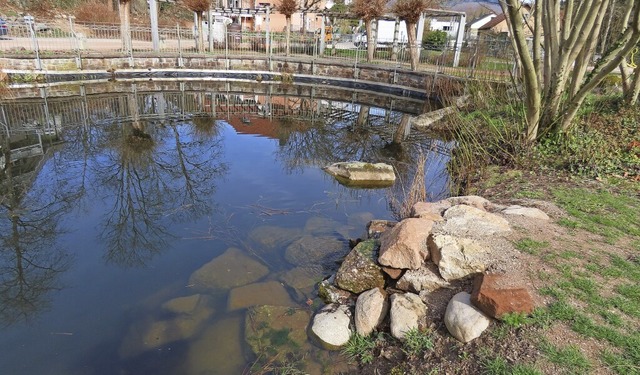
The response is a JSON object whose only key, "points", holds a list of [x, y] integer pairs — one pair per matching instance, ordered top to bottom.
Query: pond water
{"points": [[141, 222]]}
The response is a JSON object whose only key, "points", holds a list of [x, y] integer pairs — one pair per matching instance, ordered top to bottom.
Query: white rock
{"points": [[470, 200], [531, 212], [470, 221], [456, 257], [425, 278], [371, 308], [407, 312], [463, 320], [331, 326]]}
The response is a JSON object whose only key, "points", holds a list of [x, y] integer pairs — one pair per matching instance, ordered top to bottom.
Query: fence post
{"points": [[34, 42], [75, 43], [226, 47], [180, 61]]}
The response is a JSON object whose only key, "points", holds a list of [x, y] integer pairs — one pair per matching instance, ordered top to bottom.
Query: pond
{"points": [[142, 223]]}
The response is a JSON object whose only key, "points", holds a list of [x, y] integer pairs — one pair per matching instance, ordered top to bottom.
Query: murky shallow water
{"points": [[137, 245]]}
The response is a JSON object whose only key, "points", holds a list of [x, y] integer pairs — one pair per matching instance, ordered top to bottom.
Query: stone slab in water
{"points": [[360, 173], [273, 237], [311, 250], [229, 270], [267, 293], [276, 329], [218, 351]]}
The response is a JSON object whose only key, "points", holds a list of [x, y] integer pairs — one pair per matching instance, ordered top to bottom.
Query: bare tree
{"points": [[198, 7], [288, 8], [124, 10], [369, 11], [410, 12], [556, 82]]}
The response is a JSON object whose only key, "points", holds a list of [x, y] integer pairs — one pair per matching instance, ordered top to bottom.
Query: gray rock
{"points": [[530, 212], [463, 220], [272, 237], [405, 246], [310, 250], [457, 257], [231, 269], [359, 270], [426, 278], [330, 293], [182, 305], [371, 309], [407, 312], [463, 320], [331, 326]]}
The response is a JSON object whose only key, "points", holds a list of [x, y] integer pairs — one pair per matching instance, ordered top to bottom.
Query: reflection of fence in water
{"points": [[54, 114]]}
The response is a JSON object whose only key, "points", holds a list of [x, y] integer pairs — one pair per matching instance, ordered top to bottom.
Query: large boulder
{"points": [[355, 173], [471, 200], [468, 221], [405, 246], [313, 250], [457, 257], [231, 269], [359, 270], [425, 278], [267, 293], [499, 294], [371, 309], [407, 312], [463, 320], [331, 326], [276, 331]]}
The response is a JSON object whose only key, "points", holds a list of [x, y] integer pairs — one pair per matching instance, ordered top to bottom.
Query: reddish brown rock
{"points": [[405, 246], [393, 273], [497, 295]]}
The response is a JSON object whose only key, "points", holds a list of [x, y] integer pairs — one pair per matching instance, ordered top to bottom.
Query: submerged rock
{"points": [[355, 173], [318, 225], [272, 237], [310, 250], [229, 270], [267, 293], [190, 315], [276, 330], [218, 351]]}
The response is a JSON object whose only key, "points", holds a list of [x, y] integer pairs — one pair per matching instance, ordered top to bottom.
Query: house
{"points": [[446, 24], [475, 24], [498, 25]]}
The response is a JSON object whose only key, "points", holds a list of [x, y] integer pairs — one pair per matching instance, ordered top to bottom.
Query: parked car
{"points": [[4, 28]]}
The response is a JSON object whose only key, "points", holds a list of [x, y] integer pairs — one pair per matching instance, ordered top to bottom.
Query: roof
{"points": [[494, 22]]}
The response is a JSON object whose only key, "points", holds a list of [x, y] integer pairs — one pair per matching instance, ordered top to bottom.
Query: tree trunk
{"points": [[125, 26], [288, 36], [200, 39], [371, 41], [413, 46], [634, 92]]}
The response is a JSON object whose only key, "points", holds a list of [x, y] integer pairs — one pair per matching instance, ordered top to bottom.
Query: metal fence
{"points": [[484, 58]]}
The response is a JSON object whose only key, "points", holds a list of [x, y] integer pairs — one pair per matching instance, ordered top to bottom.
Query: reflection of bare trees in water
{"points": [[154, 187], [30, 261]]}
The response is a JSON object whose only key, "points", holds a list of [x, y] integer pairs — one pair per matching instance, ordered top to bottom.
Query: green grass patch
{"points": [[601, 212], [530, 246], [416, 342], [360, 349], [569, 357], [500, 366]]}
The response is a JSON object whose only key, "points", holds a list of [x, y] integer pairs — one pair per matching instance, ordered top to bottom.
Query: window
{"points": [[446, 28]]}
